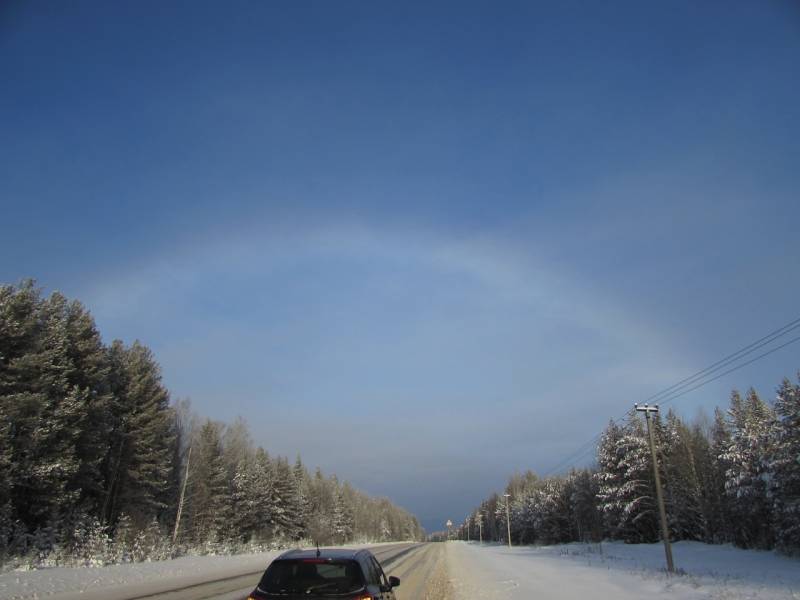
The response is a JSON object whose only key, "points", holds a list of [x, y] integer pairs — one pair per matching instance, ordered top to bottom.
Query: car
{"points": [[343, 573]]}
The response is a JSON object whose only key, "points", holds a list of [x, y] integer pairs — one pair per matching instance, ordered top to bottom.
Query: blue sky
{"points": [[423, 245]]}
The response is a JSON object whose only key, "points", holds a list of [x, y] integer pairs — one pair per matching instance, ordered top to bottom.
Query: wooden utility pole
{"points": [[180, 501], [661, 510], [508, 517]]}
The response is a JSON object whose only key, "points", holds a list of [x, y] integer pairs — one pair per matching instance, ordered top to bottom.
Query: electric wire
{"points": [[730, 359], [736, 368], [696, 381]]}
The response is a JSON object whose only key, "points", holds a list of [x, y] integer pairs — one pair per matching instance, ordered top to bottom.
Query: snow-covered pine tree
{"points": [[88, 376], [46, 412], [751, 424], [141, 459], [785, 467], [610, 479], [520, 486], [264, 488], [682, 491], [285, 495], [582, 495], [252, 498], [321, 498], [303, 501], [209, 507], [552, 510], [638, 514], [500, 516], [245, 518], [342, 518], [6, 522], [720, 525], [490, 527]]}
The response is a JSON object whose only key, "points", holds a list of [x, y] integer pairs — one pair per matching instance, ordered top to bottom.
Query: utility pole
{"points": [[180, 502], [662, 511], [508, 517]]}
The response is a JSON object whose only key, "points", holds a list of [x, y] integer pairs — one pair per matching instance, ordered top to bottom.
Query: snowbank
{"points": [[620, 572], [148, 577], [65, 583]]}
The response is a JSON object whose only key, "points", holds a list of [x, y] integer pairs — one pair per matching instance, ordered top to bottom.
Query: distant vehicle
{"points": [[347, 574]]}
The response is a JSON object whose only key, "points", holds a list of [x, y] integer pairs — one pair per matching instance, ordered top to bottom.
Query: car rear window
{"points": [[306, 576]]}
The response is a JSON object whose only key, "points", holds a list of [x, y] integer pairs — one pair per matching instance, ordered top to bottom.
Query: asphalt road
{"points": [[420, 568], [422, 573]]}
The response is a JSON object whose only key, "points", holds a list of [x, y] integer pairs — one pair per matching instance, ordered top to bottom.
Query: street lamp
{"points": [[508, 517], [449, 525], [480, 526]]}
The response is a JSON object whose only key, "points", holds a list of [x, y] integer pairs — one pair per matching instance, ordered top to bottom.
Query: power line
{"points": [[731, 358], [736, 368], [680, 388], [589, 446]]}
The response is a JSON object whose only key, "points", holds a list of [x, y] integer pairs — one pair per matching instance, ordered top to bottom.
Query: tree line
{"points": [[94, 456], [731, 479]]}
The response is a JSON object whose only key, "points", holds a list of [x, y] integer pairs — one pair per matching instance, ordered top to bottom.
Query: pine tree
{"points": [[89, 377], [45, 411], [751, 425], [141, 459], [785, 467], [609, 479], [627, 487], [264, 489], [682, 490], [285, 494], [582, 494], [252, 497], [716, 499], [303, 501], [209, 509], [321, 509], [6, 512], [551, 512], [245, 517], [342, 518]]}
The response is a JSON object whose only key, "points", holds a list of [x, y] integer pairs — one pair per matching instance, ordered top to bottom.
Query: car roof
{"points": [[331, 553]]}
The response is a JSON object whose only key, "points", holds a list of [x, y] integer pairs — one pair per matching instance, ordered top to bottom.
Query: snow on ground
{"points": [[621, 572], [142, 577], [66, 583]]}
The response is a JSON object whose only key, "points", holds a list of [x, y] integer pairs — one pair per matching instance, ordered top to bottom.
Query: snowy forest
{"points": [[98, 464], [731, 479]]}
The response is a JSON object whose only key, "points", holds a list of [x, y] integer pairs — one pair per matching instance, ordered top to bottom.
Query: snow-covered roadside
{"points": [[621, 572], [147, 577], [65, 583]]}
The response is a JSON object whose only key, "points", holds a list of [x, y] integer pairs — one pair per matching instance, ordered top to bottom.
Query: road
{"points": [[420, 567], [422, 573]]}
